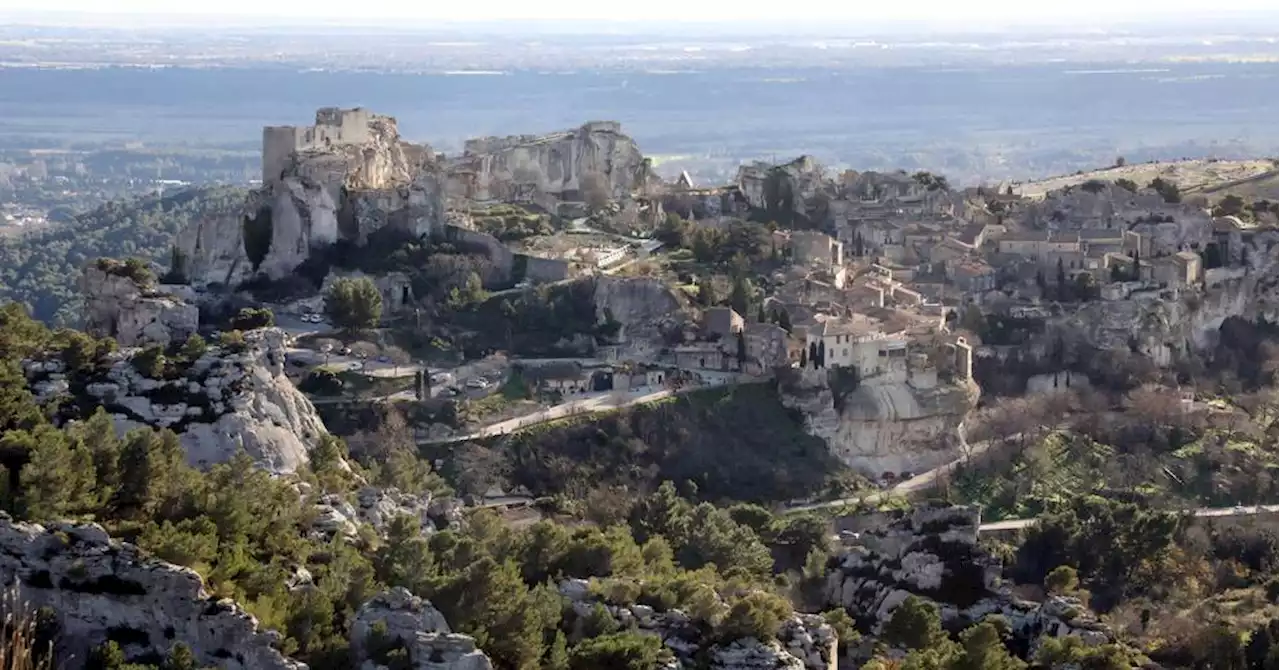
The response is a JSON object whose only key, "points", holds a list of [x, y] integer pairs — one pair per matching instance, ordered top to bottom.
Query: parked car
{"points": [[345, 351], [384, 359], [476, 383]]}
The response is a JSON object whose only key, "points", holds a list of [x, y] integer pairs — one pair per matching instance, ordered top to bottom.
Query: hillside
{"points": [[1198, 175], [41, 268], [734, 444]]}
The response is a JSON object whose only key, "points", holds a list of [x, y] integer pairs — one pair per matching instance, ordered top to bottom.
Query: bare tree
{"points": [[595, 191], [326, 346], [364, 349], [398, 357], [479, 468]]}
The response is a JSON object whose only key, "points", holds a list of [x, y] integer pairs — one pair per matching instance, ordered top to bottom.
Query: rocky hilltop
{"points": [[565, 165], [317, 194], [225, 400]]}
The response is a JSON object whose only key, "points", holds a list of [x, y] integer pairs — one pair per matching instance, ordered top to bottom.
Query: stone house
{"points": [[1039, 244], [814, 248], [1180, 269], [971, 275], [721, 323], [856, 342], [768, 345], [704, 356], [564, 378]]}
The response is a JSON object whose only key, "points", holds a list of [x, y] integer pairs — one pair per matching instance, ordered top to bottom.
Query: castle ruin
{"points": [[333, 126]]}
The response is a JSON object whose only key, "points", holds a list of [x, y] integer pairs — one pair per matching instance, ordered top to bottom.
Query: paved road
{"points": [[604, 402], [1018, 524]]}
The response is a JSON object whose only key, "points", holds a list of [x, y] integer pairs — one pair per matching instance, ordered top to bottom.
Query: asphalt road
{"points": [[1018, 524]]}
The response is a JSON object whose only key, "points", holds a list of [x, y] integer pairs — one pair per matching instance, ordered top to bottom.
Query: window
{"points": [[845, 353]]}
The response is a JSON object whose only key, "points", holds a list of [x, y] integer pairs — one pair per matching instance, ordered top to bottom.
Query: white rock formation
{"points": [[554, 165], [794, 185], [342, 190], [117, 306], [226, 401], [883, 426], [97, 585], [420, 628]]}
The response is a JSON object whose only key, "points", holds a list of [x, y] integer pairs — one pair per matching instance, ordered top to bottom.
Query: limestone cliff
{"points": [[559, 165], [792, 186], [323, 193], [645, 308], [134, 314], [1167, 323], [222, 402], [883, 425], [99, 587]]}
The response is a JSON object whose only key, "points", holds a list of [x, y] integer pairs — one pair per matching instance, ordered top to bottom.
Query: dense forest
{"points": [[40, 269]]}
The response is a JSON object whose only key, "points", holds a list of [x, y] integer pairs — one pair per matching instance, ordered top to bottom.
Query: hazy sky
{"points": [[843, 11]]}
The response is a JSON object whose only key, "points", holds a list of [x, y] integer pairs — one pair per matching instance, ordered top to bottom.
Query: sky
{"points": [[840, 11]]}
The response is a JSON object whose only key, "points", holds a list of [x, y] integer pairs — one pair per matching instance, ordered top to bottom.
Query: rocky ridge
{"points": [[555, 165], [221, 403], [97, 585], [804, 642]]}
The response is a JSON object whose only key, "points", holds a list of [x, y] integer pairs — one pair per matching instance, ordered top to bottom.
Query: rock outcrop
{"points": [[559, 165], [792, 186], [317, 194], [646, 309], [135, 314], [221, 403], [883, 425], [379, 507], [933, 552], [101, 588], [403, 620], [804, 641]]}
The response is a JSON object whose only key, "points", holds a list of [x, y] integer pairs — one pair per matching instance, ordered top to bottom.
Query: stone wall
{"points": [[333, 127], [502, 257], [545, 270]]}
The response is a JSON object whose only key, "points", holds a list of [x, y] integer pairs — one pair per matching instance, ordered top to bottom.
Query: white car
{"points": [[476, 383]]}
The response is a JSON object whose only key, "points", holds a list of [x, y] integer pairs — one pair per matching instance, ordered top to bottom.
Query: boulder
{"points": [[133, 313], [100, 588]]}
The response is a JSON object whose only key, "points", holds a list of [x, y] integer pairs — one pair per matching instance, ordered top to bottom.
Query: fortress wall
{"points": [[333, 126], [278, 144]]}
